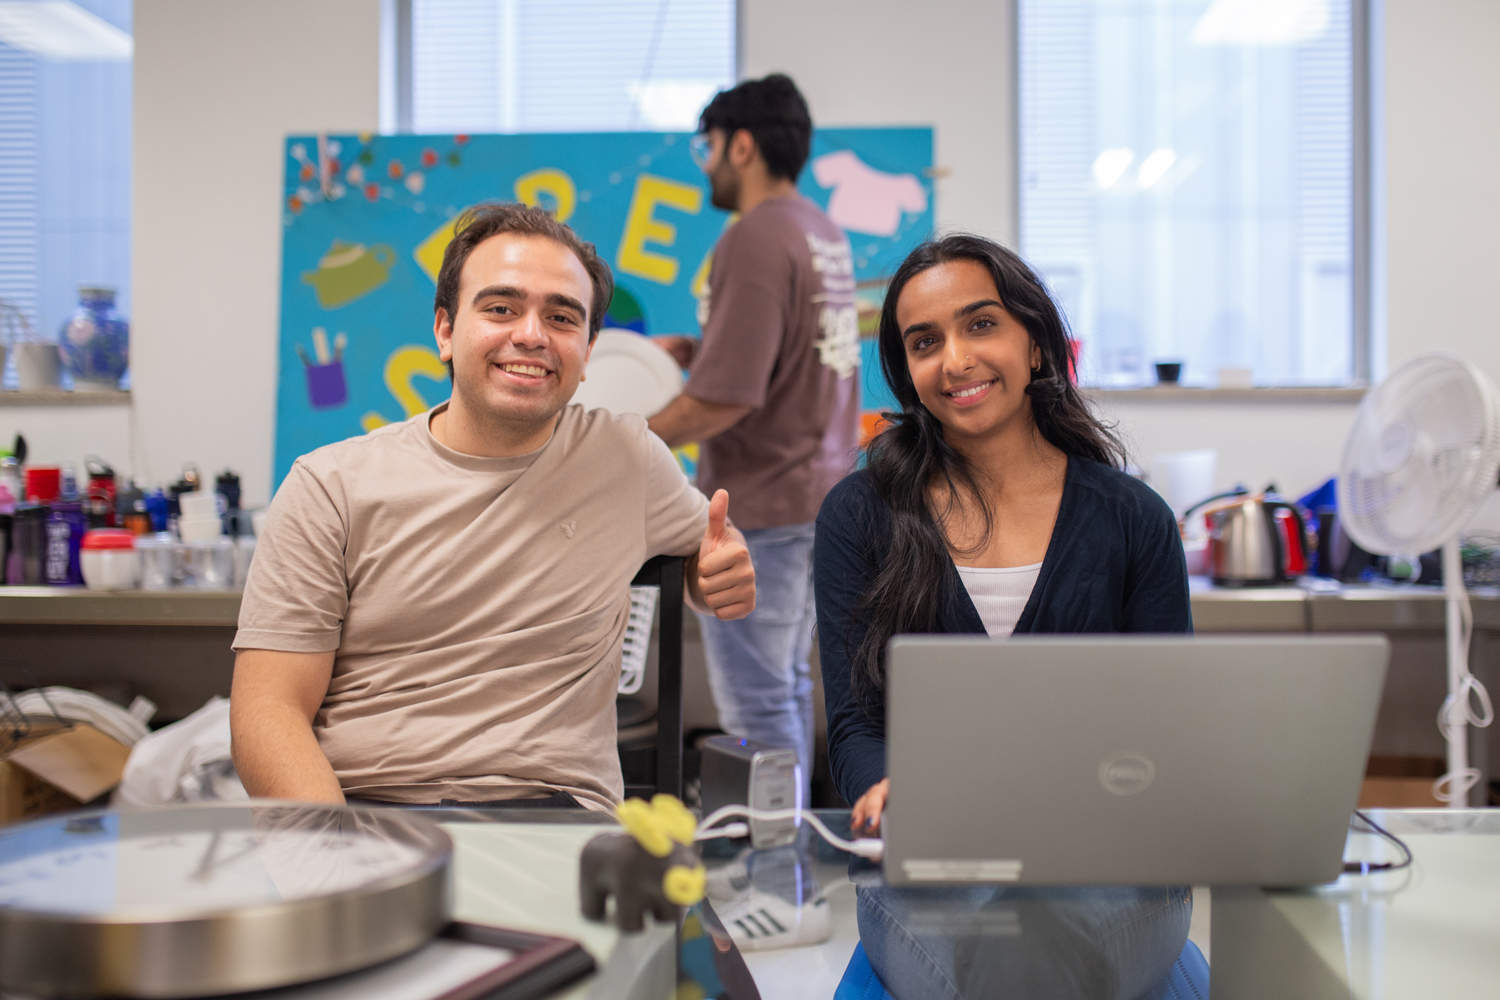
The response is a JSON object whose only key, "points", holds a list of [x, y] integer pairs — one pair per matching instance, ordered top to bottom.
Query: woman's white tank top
{"points": [[999, 595]]}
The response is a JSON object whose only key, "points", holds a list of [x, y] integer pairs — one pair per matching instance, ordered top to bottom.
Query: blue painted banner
{"points": [[366, 219]]}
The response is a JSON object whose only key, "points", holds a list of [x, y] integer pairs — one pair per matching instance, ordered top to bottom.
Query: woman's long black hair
{"points": [[910, 455]]}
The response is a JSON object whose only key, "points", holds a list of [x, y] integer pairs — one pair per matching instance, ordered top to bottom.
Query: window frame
{"points": [[396, 73], [1365, 367]]}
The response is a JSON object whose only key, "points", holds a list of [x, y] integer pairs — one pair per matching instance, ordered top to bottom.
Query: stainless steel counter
{"points": [[76, 606], [1330, 607], [1355, 608], [1258, 609], [173, 647]]}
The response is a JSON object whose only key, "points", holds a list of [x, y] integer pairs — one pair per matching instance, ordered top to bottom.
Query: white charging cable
{"points": [[1458, 710], [866, 847]]}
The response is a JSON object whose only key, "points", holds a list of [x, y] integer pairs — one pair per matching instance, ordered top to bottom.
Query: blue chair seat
{"points": [[1188, 979], [860, 981]]}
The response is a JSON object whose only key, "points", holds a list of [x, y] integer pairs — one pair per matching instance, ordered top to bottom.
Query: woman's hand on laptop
{"points": [[726, 578], [865, 820]]}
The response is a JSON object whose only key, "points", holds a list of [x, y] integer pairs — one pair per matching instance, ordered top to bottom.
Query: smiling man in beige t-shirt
{"points": [[436, 610]]}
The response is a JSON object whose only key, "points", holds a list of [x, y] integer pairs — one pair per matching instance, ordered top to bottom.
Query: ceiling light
{"points": [[1261, 22], [62, 31], [672, 105], [1110, 166], [1155, 166], [1184, 168]]}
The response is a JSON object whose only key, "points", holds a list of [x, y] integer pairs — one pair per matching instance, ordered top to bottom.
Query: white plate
{"points": [[628, 374]]}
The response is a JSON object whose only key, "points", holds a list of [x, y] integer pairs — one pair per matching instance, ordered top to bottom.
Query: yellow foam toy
{"points": [[657, 825], [683, 885]]}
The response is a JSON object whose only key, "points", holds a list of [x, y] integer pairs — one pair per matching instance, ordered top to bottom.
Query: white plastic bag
{"points": [[187, 761]]}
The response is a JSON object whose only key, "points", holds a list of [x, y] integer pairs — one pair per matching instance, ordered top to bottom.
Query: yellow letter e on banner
{"points": [[642, 227]]}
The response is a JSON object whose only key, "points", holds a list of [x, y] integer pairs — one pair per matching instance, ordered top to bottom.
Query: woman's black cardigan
{"points": [[1114, 564]]}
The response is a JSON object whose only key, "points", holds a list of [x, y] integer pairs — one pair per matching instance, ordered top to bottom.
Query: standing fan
{"points": [[1423, 455]]}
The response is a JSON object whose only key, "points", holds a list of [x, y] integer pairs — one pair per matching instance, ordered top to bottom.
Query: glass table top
{"points": [[1430, 930]]}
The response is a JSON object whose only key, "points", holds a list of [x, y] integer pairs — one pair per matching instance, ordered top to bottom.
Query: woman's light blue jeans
{"points": [[757, 667], [1023, 942]]}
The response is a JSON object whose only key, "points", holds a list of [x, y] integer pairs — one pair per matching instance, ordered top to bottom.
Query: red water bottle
{"points": [[43, 483], [99, 505]]}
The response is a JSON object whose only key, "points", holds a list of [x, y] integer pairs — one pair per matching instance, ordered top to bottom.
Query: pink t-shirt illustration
{"points": [[866, 200]]}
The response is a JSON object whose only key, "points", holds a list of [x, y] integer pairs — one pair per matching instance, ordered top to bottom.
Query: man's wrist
{"points": [[692, 589]]}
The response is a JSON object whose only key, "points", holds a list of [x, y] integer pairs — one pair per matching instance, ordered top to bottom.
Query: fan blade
{"points": [[1450, 417], [1409, 512]]}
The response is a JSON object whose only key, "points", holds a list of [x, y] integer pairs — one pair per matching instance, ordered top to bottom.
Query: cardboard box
{"points": [[58, 767], [1401, 783], [1398, 793]]}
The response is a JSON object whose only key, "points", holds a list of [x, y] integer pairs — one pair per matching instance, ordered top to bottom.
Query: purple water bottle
{"points": [[65, 527], [28, 554]]}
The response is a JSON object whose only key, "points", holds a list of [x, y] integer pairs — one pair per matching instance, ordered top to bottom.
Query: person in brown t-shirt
{"points": [[773, 395]]}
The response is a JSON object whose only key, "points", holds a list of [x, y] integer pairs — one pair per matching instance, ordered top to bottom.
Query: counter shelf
{"points": [[174, 647]]}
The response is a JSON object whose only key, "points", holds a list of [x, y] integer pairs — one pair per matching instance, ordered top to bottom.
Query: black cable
{"points": [[1366, 867]]}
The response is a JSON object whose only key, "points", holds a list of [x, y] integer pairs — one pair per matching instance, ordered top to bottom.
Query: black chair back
{"points": [[666, 572]]}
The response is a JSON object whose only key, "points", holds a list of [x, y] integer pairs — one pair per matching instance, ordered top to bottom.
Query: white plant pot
{"points": [[38, 367]]}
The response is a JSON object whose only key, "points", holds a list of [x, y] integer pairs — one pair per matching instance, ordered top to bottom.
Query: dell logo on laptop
{"points": [[1126, 773]]}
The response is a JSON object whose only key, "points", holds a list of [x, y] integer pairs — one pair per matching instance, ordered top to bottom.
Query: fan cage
{"points": [[1462, 476]]}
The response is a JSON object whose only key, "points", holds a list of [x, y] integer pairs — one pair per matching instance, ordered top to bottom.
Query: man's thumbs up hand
{"points": [[718, 522], [725, 575]]}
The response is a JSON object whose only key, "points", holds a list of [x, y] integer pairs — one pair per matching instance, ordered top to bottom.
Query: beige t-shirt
{"points": [[477, 605]]}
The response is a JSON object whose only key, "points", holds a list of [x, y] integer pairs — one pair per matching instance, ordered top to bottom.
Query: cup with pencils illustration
{"points": [[326, 387]]}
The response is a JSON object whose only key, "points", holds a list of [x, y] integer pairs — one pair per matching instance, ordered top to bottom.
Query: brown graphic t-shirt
{"points": [[781, 335]]}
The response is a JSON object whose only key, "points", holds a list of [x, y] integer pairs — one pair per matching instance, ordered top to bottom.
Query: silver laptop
{"points": [[1126, 760]]}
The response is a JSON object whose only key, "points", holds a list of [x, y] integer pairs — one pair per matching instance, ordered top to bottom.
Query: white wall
{"points": [[947, 64], [218, 86], [1443, 211], [56, 434], [1294, 445]]}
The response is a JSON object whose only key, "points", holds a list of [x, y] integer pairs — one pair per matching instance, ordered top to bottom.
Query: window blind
{"points": [[568, 65], [65, 151], [18, 180], [1187, 184]]}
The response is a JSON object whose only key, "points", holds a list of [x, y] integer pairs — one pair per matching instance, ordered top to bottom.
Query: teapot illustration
{"points": [[348, 271]]}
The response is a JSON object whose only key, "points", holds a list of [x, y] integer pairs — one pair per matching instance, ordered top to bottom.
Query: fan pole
{"points": [[1455, 719]]}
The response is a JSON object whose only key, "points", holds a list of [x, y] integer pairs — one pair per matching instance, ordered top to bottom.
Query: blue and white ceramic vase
{"points": [[95, 341]]}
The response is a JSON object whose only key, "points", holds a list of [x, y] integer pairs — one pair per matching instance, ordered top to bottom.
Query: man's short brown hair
{"points": [[477, 224]]}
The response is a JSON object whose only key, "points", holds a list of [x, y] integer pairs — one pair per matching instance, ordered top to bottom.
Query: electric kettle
{"points": [[1256, 541]]}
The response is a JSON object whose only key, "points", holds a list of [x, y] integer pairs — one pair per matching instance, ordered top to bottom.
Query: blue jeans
{"points": [[757, 667], [1023, 942]]}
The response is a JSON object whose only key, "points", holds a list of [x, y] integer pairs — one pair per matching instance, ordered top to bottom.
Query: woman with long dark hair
{"points": [[992, 503]]}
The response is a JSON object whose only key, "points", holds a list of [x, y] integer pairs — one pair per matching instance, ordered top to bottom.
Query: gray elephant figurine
{"points": [[653, 865]]}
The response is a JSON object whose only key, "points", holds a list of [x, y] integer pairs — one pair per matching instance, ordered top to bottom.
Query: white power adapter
{"points": [[767, 778]]}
